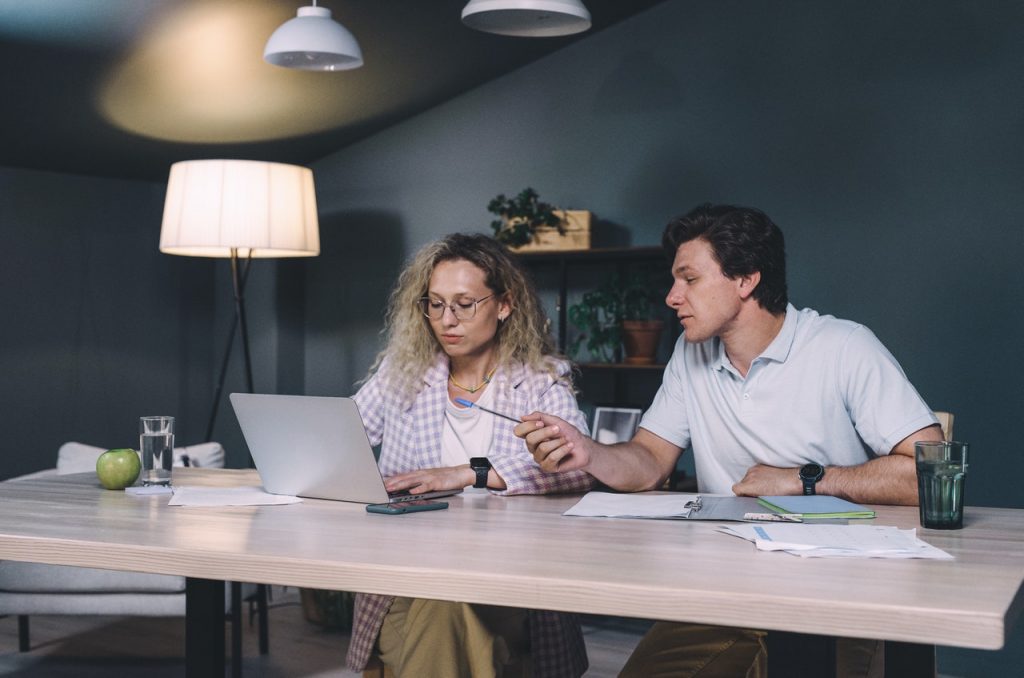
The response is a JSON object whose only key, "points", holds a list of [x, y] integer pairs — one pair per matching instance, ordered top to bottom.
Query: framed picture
{"points": [[615, 424]]}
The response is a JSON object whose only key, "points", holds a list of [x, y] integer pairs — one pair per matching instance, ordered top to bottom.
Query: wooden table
{"points": [[521, 552]]}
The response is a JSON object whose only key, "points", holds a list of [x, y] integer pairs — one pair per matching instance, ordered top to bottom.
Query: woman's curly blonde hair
{"points": [[411, 346]]}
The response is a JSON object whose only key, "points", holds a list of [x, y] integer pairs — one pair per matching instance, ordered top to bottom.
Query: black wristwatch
{"points": [[480, 466], [810, 474]]}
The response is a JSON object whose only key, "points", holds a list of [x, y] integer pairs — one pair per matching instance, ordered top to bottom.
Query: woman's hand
{"points": [[431, 480]]}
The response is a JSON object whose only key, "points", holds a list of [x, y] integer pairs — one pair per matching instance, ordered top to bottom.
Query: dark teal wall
{"points": [[887, 139], [99, 328]]}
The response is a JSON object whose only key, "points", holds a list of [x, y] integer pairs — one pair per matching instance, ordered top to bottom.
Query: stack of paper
{"points": [[245, 495], [610, 505], [837, 541]]}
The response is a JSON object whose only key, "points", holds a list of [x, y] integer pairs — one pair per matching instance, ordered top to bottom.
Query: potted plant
{"points": [[526, 223], [619, 313]]}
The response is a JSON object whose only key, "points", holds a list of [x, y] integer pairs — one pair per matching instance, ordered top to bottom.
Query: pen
{"points": [[466, 403], [774, 517]]}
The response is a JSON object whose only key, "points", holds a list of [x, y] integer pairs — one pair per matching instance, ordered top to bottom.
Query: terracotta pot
{"points": [[640, 339]]}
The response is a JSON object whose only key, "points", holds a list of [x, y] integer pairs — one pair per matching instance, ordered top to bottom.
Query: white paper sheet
{"points": [[147, 490], [247, 495], [610, 505], [837, 541]]}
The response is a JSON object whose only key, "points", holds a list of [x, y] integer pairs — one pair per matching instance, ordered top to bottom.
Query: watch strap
{"points": [[481, 466]]}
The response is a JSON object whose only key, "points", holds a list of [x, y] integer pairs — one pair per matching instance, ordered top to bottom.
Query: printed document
{"points": [[837, 541]]}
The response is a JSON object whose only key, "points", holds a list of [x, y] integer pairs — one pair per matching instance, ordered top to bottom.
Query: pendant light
{"points": [[527, 18], [313, 41]]}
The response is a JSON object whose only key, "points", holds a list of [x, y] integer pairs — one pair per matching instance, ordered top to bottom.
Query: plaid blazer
{"points": [[409, 433]]}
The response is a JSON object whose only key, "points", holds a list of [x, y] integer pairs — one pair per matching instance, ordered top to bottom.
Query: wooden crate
{"points": [[577, 234]]}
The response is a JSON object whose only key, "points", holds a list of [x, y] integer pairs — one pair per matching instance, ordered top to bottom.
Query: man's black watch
{"points": [[480, 466], [810, 474]]}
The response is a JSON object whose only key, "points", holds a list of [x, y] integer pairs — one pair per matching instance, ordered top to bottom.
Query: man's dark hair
{"points": [[743, 240]]}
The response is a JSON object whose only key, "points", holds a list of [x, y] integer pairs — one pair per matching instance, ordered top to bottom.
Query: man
{"points": [[772, 400]]}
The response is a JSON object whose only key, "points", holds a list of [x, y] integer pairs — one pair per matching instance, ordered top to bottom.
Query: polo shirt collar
{"points": [[779, 349], [721, 361]]}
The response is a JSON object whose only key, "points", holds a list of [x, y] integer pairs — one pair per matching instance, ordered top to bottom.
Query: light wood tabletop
{"points": [[520, 551]]}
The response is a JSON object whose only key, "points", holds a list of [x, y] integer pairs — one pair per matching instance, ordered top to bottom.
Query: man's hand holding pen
{"points": [[555, 444]]}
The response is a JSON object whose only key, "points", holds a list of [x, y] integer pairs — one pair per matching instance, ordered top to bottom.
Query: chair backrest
{"points": [[946, 422], [78, 457]]}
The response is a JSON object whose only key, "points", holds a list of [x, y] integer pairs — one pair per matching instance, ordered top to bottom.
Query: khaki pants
{"points": [[437, 639], [687, 650], [692, 650]]}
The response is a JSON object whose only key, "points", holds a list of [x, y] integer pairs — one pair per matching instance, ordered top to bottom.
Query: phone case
{"points": [[407, 507]]}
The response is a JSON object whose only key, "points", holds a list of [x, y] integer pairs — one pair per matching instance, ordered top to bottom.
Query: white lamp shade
{"points": [[527, 18], [313, 41], [262, 209]]}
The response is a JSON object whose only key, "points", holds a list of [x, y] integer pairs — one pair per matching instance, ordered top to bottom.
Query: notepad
{"points": [[816, 506]]}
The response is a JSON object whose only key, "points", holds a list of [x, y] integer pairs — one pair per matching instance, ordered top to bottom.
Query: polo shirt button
{"points": [[746, 396]]}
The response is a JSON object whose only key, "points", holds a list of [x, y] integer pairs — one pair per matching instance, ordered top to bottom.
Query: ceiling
{"points": [[124, 88]]}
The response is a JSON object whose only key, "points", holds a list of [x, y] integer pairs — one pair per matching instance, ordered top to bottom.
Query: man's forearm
{"points": [[628, 467], [891, 479]]}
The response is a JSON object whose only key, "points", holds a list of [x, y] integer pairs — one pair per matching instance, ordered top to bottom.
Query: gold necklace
{"points": [[474, 389]]}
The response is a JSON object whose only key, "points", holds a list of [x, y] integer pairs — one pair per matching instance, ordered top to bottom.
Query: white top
{"points": [[825, 390], [467, 431]]}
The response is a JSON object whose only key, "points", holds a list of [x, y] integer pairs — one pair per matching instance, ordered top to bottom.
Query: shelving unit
{"points": [[567, 259], [654, 367], [603, 383], [615, 384]]}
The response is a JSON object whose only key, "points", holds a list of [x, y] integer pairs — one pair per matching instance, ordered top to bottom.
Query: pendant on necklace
{"points": [[473, 389]]}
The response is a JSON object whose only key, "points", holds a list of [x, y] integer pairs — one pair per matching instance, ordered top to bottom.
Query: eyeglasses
{"points": [[463, 309]]}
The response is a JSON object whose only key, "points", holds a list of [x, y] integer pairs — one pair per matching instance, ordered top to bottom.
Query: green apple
{"points": [[117, 469]]}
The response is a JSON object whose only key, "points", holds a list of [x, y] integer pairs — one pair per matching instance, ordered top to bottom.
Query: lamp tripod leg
{"points": [[239, 276], [239, 286], [220, 379]]}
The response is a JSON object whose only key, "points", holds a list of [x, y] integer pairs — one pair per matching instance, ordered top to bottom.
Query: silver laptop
{"points": [[310, 446]]}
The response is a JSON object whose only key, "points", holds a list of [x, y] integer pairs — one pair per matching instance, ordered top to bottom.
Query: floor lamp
{"points": [[239, 210]]}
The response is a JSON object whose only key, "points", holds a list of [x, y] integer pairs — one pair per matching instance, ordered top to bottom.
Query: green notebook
{"points": [[816, 506]]}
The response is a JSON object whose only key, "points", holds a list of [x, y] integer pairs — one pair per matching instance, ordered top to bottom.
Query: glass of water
{"points": [[156, 442], [941, 469]]}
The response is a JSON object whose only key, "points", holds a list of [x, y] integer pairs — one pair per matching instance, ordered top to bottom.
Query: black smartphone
{"points": [[407, 506]]}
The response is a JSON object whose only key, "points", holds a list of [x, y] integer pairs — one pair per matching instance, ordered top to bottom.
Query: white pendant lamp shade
{"points": [[527, 18], [313, 41], [267, 209]]}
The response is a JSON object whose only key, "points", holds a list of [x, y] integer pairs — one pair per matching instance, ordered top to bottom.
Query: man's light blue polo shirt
{"points": [[825, 390]]}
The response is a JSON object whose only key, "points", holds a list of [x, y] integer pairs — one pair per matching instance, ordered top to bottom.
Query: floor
{"points": [[84, 647]]}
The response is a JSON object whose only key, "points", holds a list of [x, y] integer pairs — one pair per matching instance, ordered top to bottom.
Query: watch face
{"points": [[479, 462], [811, 472]]}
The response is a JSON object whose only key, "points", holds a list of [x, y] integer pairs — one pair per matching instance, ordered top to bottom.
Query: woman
{"points": [[464, 322]]}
